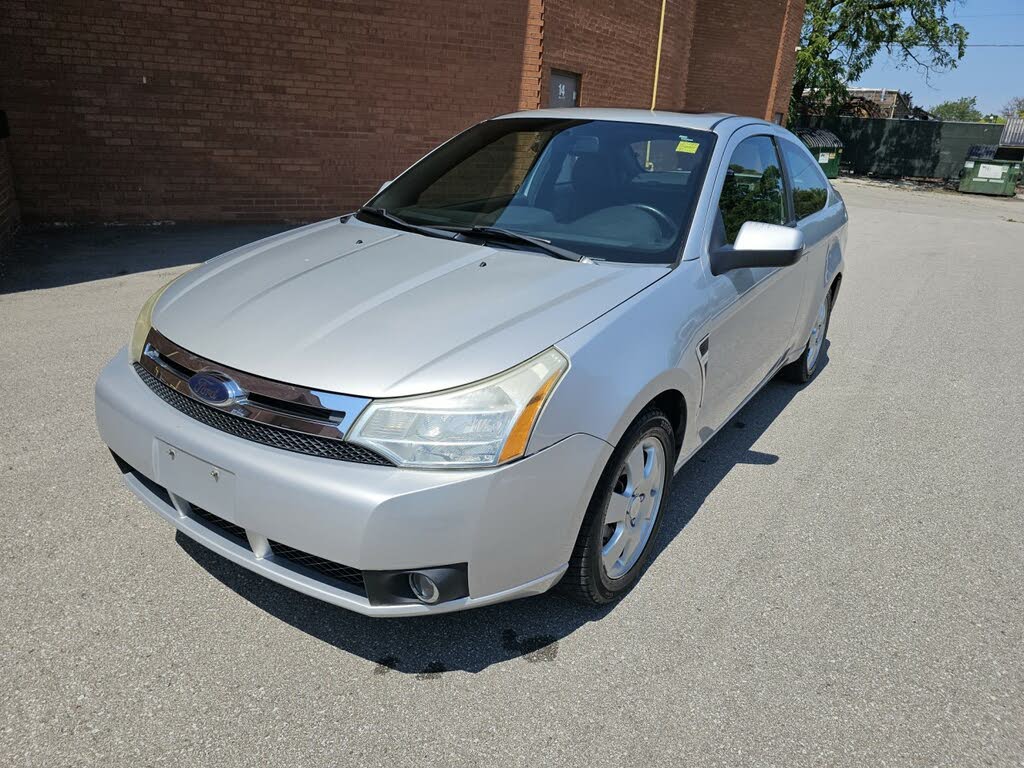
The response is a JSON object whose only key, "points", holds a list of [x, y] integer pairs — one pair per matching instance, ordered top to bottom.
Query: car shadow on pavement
{"points": [[54, 256], [731, 446], [528, 629]]}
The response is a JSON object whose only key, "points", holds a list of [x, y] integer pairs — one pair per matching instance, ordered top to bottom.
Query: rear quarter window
{"points": [[810, 187]]}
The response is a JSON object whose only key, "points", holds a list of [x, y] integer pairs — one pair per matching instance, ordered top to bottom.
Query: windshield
{"points": [[606, 190]]}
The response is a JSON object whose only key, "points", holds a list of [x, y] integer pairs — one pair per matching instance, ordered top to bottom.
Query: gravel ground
{"points": [[839, 579]]}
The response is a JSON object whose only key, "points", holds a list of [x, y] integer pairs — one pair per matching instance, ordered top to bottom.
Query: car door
{"points": [[752, 310]]}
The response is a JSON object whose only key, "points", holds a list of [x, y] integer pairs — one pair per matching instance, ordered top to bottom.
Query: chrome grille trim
{"points": [[312, 412], [284, 439]]}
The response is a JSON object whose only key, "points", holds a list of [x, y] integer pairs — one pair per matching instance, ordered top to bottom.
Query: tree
{"points": [[840, 39], [1013, 108], [964, 110]]}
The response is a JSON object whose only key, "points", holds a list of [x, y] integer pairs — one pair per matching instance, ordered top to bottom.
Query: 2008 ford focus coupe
{"points": [[480, 385]]}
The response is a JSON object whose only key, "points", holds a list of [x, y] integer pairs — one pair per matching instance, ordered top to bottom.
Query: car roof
{"points": [[697, 121]]}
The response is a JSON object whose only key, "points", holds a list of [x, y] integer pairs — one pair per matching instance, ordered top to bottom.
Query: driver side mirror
{"points": [[759, 245]]}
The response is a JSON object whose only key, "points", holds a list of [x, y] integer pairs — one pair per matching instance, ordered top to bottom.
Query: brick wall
{"points": [[615, 51], [743, 56], [785, 60], [170, 109], [249, 109], [9, 215]]}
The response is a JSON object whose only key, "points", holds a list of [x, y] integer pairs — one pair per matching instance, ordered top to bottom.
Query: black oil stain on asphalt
{"points": [[534, 648]]}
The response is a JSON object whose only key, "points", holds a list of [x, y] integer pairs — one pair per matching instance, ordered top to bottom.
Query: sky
{"points": [[994, 75]]}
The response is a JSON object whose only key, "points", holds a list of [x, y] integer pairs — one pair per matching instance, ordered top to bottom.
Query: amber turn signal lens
{"points": [[515, 446]]}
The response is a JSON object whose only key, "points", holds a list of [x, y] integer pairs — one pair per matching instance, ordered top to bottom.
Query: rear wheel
{"points": [[803, 368], [624, 515]]}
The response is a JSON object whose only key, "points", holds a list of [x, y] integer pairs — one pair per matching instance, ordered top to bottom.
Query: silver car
{"points": [[480, 385]]}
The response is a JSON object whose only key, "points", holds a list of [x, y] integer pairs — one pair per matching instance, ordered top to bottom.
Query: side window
{"points": [[753, 187], [810, 188]]}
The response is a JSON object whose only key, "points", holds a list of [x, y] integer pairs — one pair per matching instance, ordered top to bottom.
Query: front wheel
{"points": [[802, 370], [622, 520]]}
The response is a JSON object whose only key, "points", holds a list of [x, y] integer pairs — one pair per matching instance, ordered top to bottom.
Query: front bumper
{"points": [[514, 525]]}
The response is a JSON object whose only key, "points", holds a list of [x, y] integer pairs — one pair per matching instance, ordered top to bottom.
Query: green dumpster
{"points": [[825, 146], [992, 170]]}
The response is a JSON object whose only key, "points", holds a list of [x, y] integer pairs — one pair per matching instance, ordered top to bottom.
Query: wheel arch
{"points": [[833, 289], [666, 392], [673, 403]]}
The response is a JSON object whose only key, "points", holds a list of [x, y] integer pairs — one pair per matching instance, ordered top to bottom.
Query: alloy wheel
{"points": [[817, 335], [633, 507]]}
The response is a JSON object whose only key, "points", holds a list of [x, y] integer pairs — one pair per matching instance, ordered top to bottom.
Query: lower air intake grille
{"points": [[260, 433], [232, 531], [327, 568], [336, 574]]}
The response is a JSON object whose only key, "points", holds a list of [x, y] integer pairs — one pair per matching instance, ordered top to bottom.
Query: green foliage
{"points": [[840, 39], [1013, 108], [964, 110], [750, 195], [808, 201]]}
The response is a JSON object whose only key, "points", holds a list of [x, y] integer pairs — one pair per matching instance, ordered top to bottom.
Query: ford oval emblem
{"points": [[215, 388]]}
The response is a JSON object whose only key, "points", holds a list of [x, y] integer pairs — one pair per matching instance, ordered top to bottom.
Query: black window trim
{"points": [[787, 183]]}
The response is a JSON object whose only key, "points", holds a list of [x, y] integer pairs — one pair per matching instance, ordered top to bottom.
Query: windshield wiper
{"points": [[382, 214], [508, 235]]}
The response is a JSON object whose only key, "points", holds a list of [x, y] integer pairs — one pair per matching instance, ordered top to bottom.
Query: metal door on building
{"points": [[565, 89]]}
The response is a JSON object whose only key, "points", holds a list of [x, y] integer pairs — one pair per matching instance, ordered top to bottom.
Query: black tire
{"points": [[798, 371], [586, 580]]}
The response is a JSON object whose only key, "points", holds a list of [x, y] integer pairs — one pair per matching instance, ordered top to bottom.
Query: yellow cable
{"points": [[657, 59], [657, 71]]}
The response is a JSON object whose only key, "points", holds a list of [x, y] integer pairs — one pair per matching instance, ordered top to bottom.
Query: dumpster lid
{"points": [[1013, 133], [818, 137], [981, 151]]}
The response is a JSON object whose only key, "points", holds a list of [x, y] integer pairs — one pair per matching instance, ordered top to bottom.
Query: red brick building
{"points": [[247, 109]]}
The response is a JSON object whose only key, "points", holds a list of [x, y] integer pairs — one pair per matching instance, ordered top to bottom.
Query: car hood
{"points": [[363, 310]]}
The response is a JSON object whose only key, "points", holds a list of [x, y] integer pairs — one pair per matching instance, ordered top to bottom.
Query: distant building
{"points": [[888, 102]]}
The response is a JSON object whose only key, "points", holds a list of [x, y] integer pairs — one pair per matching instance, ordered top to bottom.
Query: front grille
{"points": [[275, 437], [232, 531], [335, 572]]}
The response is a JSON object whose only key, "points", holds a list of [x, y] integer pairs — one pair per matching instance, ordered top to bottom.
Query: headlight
{"points": [[145, 321], [479, 425]]}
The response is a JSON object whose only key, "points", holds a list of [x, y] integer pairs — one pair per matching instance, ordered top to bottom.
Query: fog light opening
{"points": [[424, 588]]}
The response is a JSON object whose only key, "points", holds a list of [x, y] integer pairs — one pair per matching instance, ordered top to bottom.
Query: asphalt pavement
{"points": [[839, 579]]}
